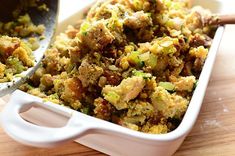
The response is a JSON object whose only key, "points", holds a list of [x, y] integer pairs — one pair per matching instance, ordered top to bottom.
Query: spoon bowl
{"points": [[49, 20]]}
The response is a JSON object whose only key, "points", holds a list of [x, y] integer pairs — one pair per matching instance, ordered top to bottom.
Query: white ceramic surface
{"points": [[57, 124]]}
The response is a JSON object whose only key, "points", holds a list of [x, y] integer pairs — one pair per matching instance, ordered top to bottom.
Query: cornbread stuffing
{"points": [[16, 55], [131, 62]]}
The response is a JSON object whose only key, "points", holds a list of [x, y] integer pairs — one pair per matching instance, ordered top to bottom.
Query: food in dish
{"points": [[16, 54], [134, 63]]}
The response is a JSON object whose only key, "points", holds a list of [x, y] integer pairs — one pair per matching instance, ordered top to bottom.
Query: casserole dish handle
{"points": [[33, 135]]}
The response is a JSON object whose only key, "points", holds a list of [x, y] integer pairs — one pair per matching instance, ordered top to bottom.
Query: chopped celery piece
{"points": [[84, 28], [144, 56], [134, 58], [152, 61], [16, 64], [142, 74], [167, 85], [112, 97], [85, 110]]}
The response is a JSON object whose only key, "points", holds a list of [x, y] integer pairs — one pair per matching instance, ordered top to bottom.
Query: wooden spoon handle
{"points": [[222, 19]]}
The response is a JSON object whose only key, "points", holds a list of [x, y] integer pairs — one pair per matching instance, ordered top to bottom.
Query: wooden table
{"points": [[212, 135]]}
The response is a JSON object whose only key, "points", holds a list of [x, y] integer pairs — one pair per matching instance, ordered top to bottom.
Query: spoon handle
{"points": [[222, 19]]}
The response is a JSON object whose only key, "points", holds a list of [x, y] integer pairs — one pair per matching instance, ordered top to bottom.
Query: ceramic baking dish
{"points": [[50, 124]]}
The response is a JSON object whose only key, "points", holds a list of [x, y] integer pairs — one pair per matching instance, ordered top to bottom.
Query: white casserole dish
{"points": [[56, 124]]}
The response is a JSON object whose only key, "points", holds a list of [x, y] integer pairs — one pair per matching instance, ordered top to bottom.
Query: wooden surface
{"points": [[213, 133]]}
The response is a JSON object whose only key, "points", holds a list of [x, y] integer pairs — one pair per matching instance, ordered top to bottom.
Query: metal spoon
{"points": [[48, 19]]}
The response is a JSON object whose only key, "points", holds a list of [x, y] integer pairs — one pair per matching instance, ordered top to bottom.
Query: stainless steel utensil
{"points": [[47, 18]]}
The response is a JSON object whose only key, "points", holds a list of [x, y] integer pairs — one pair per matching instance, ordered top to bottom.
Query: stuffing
{"points": [[138, 20], [96, 36], [134, 63], [88, 73], [127, 90]]}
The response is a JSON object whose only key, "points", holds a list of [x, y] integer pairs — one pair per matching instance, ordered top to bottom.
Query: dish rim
{"points": [[195, 103], [191, 113], [189, 118]]}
